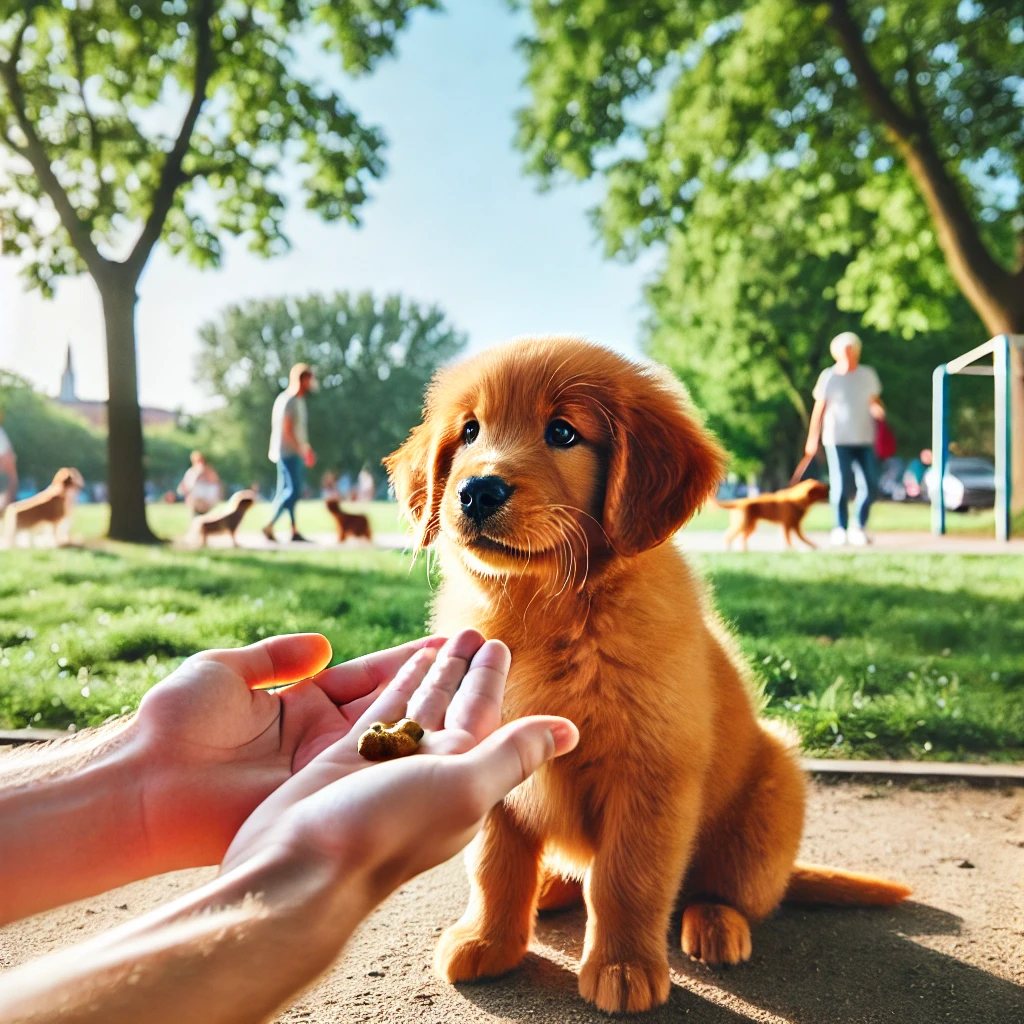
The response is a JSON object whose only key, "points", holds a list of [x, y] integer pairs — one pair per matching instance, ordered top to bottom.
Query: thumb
{"points": [[511, 754]]}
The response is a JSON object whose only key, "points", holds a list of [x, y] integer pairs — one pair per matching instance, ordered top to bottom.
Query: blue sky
{"points": [[453, 222]]}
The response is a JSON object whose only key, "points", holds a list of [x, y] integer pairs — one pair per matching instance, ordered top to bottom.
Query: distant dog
{"points": [[53, 505], [787, 507], [226, 520], [349, 524]]}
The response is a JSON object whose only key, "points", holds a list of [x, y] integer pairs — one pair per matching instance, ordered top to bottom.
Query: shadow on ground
{"points": [[809, 967]]}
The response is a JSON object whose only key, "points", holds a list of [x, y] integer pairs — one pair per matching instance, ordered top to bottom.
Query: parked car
{"points": [[970, 483]]}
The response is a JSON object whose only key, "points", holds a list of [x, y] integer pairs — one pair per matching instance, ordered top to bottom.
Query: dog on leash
{"points": [[550, 476], [54, 505], [787, 508], [225, 520], [349, 524]]}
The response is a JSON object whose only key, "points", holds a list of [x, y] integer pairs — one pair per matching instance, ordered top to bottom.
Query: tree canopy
{"points": [[131, 123], [881, 144], [744, 314], [373, 359]]}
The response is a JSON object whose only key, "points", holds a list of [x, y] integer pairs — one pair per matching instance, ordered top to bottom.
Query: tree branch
{"points": [[79, 51], [35, 153], [171, 176], [987, 285]]}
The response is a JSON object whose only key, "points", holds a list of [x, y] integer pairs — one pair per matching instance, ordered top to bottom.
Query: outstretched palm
{"points": [[216, 712]]}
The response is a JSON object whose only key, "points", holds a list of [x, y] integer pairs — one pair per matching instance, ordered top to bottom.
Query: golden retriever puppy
{"points": [[550, 476], [54, 505], [787, 507], [223, 520]]}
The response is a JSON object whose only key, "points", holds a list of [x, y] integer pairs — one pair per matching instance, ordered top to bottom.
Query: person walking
{"points": [[846, 409], [289, 446]]}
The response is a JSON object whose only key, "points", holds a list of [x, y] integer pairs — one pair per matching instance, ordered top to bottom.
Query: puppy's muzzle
{"points": [[482, 496]]}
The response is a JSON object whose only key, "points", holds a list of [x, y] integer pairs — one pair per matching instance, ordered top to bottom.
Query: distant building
{"points": [[95, 413]]}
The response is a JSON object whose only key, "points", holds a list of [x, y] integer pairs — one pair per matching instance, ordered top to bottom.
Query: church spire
{"points": [[67, 380]]}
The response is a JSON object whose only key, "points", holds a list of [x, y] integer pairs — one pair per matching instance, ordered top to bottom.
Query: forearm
{"points": [[814, 428], [72, 821], [233, 951]]}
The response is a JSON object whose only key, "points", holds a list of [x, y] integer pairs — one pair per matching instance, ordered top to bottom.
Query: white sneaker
{"points": [[858, 537], [837, 538]]}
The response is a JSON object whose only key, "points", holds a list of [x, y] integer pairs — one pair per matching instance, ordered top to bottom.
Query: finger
{"points": [[276, 661], [361, 676], [393, 701], [431, 701], [476, 706], [513, 753]]}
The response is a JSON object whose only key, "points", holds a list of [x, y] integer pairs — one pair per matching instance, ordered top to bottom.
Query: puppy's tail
{"points": [[723, 504], [812, 883]]}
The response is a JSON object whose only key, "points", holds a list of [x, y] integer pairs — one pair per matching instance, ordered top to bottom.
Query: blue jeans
{"points": [[846, 461], [290, 470]]}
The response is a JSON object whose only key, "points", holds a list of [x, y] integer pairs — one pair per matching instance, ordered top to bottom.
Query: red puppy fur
{"points": [[787, 507], [349, 524], [676, 790]]}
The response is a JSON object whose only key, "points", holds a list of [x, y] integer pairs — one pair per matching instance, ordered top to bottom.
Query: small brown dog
{"points": [[551, 475], [54, 505], [787, 507], [226, 520], [349, 524]]}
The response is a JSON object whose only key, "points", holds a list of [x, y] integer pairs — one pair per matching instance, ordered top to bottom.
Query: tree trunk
{"points": [[125, 451]]}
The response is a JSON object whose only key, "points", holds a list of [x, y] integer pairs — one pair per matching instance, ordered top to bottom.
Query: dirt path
{"points": [[954, 955]]}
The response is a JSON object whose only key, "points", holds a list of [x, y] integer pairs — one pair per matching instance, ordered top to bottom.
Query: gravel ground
{"points": [[955, 954]]}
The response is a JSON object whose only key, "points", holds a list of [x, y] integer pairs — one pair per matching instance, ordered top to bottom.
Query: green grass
{"points": [[170, 521], [866, 654]]}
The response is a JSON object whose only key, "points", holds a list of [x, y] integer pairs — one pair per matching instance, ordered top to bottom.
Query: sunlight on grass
{"points": [[866, 655]]}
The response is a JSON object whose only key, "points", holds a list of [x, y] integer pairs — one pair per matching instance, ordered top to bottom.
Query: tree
{"points": [[912, 109], [129, 123], [743, 313], [373, 359], [45, 437]]}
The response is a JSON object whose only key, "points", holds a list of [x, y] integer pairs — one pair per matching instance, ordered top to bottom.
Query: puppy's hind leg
{"points": [[745, 859], [558, 893]]}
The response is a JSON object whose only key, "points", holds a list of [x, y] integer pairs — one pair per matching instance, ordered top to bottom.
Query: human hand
{"points": [[309, 457], [212, 744], [377, 828]]}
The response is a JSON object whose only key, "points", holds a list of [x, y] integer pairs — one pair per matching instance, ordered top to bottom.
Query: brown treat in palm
{"points": [[383, 742]]}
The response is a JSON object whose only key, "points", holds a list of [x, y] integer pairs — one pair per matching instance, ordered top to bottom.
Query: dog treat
{"points": [[383, 742]]}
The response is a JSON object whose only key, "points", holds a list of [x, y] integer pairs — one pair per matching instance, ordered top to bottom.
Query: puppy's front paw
{"points": [[715, 933], [465, 952], [626, 986]]}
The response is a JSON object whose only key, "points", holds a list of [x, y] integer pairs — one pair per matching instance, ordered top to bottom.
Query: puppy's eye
{"points": [[470, 432], [560, 434]]}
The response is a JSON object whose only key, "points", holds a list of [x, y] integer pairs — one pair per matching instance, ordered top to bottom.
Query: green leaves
{"points": [[182, 115], [373, 358]]}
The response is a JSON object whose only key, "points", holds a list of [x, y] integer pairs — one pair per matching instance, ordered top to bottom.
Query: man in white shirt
{"points": [[846, 408], [289, 446], [8, 466]]}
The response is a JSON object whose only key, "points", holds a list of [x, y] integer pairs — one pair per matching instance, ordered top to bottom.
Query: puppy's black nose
{"points": [[482, 496]]}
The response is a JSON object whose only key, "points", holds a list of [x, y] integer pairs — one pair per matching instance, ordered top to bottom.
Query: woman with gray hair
{"points": [[846, 408]]}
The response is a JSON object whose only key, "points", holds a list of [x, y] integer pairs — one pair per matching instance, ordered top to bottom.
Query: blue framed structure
{"points": [[999, 348]]}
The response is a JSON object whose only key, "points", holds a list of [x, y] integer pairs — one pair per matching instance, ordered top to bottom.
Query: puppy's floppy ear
{"points": [[663, 464], [418, 471]]}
